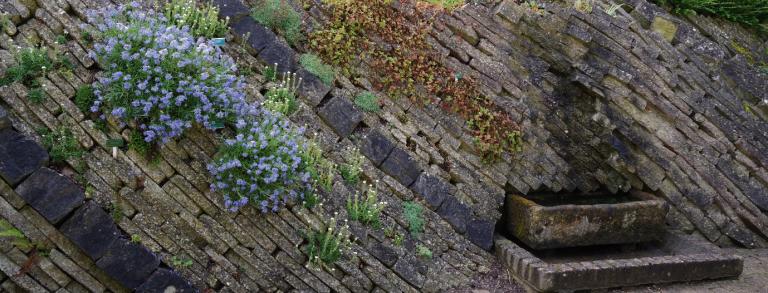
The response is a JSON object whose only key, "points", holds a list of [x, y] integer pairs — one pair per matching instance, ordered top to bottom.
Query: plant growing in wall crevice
{"points": [[279, 16], [403, 64], [160, 79]]}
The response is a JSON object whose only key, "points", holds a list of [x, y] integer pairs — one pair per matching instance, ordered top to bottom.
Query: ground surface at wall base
{"points": [[678, 258]]}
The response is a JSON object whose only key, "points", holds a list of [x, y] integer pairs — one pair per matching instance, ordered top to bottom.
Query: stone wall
{"points": [[637, 100], [604, 102], [169, 206]]}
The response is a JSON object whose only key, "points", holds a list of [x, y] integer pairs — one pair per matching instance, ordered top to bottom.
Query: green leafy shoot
{"points": [[368, 101], [365, 208], [412, 212]]}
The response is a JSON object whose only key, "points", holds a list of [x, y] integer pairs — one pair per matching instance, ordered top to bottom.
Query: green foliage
{"points": [[447, 4], [752, 13], [279, 16], [4, 21], [203, 21], [87, 37], [61, 39], [31, 63], [315, 65], [408, 66], [270, 73], [36, 95], [84, 98], [282, 98], [368, 102], [137, 143], [61, 144], [320, 169], [351, 171], [311, 200], [365, 209], [116, 212], [413, 215], [10, 233], [397, 237], [135, 238], [324, 247], [423, 251], [181, 262]]}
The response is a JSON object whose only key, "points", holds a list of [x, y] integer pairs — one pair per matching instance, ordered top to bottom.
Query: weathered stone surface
{"points": [[232, 9], [259, 37], [280, 53], [312, 88], [341, 115], [5, 121], [376, 147], [19, 156], [401, 166], [432, 189], [51, 194], [455, 212], [569, 224], [91, 229], [480, 232], [387, 255], [678, 260], [129, 263], [408, 272], [164, 280]]}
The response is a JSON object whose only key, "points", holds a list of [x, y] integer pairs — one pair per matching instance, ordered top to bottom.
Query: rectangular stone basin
{"points": [[555, 221]]}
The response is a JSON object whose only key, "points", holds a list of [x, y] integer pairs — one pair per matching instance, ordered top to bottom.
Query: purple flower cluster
{"points": [[159, 76], [262, 164]]}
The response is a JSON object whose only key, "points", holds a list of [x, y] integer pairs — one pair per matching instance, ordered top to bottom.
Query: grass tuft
{"points": [[279, 16], [315, 65]]}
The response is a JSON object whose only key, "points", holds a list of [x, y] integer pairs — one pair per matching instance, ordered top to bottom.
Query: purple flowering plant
{"points": [[159, 77], [262, 164]]}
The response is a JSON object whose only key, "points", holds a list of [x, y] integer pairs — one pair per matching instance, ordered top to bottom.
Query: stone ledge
{"points": [[677, 259]]}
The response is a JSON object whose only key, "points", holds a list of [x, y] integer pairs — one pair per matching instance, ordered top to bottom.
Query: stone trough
{"points": [[548, 221]]}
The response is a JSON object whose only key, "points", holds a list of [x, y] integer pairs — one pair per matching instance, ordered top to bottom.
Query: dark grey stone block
{"points": [[231, 8], [259, 37], [280, 53], [312, 88], [341, 115], [5, 121], [376, 147], [19, 156], [401, 166], [432, 189], [51, 194], [455, 212], [91, 229], [480, 232], [387, 255], [129, 263], [408, 272], [164, 280]]}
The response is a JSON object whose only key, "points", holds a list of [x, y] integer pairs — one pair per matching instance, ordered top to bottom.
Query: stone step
{"points": [[678, 258]]}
